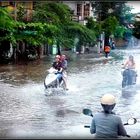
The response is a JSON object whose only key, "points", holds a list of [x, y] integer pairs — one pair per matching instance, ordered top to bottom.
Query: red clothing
{"points": [[107, 49]]}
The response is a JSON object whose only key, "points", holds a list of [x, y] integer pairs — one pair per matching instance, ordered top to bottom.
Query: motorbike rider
{"points": [[107, 50], [130, 63], [57, 64], [64, 66], [129, 67], [106, 124]]}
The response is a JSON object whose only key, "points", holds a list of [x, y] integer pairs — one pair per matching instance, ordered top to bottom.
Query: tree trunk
{"points": [[107, 40], [58, 48], [13, 57]]}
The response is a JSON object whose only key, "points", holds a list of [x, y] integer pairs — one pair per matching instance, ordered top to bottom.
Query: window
{"points": [[12, 4], [34, 4], [79, 9], [86, 10]]}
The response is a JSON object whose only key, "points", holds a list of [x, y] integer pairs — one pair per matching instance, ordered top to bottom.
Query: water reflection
{"points": [[129, 92], [26, 112]]}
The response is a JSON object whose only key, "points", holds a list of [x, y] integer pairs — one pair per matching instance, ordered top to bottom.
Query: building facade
{"points": [[12, 6], [81, 10]]}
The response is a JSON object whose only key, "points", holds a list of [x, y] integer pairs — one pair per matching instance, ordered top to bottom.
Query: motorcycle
{"points": [[129, 77], [54, 79], [130, 121]]}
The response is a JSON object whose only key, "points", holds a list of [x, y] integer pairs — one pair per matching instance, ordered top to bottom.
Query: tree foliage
{"points": [[105, 9], [20, 12], [52, 12], [59, 14], [121, 17], [6, 21], [6, 24], [109, 25], [94, 26], [136, 30], [120, 31], [35, 33], [84, 34]]}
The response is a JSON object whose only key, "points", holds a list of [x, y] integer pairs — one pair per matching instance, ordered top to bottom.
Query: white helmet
{"points": [[108, 99]]}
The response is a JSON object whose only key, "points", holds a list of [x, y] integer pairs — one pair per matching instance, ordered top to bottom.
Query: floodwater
{"points": [[26, 112]]}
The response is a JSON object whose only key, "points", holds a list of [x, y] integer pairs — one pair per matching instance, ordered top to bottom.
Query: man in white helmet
{"points": [[106, 124]]}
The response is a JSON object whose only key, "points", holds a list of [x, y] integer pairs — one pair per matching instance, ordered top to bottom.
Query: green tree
{"points": [[105, 9], [119, 10], [20, 12], [52, 12], [59, 14], [123, 14], [6, 24], [94, 26], [109, 26], [6, 29], [136, 30], [120, 31], [33, 34], [84, 34]]}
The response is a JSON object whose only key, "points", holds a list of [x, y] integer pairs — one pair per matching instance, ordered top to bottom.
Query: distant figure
{"points": [[113, 45], [87, 49], [107, 51], [130, 63], [130, 71], [64, 72]]}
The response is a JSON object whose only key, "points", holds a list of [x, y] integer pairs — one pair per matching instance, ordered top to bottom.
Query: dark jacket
{"points": [[57, 65]]}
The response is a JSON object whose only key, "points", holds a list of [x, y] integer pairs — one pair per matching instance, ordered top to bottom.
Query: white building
{"points": [[81, 10], [137, 17]]}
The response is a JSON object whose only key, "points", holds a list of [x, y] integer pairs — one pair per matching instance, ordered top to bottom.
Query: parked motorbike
{"points": [[129, 77], [54, 79], [130, 121]]}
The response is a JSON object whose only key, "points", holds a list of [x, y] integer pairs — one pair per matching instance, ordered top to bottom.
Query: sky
{"points": [[135, 5]]}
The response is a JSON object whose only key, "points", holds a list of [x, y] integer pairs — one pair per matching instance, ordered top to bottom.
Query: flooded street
{"points": [[26, 112]]}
